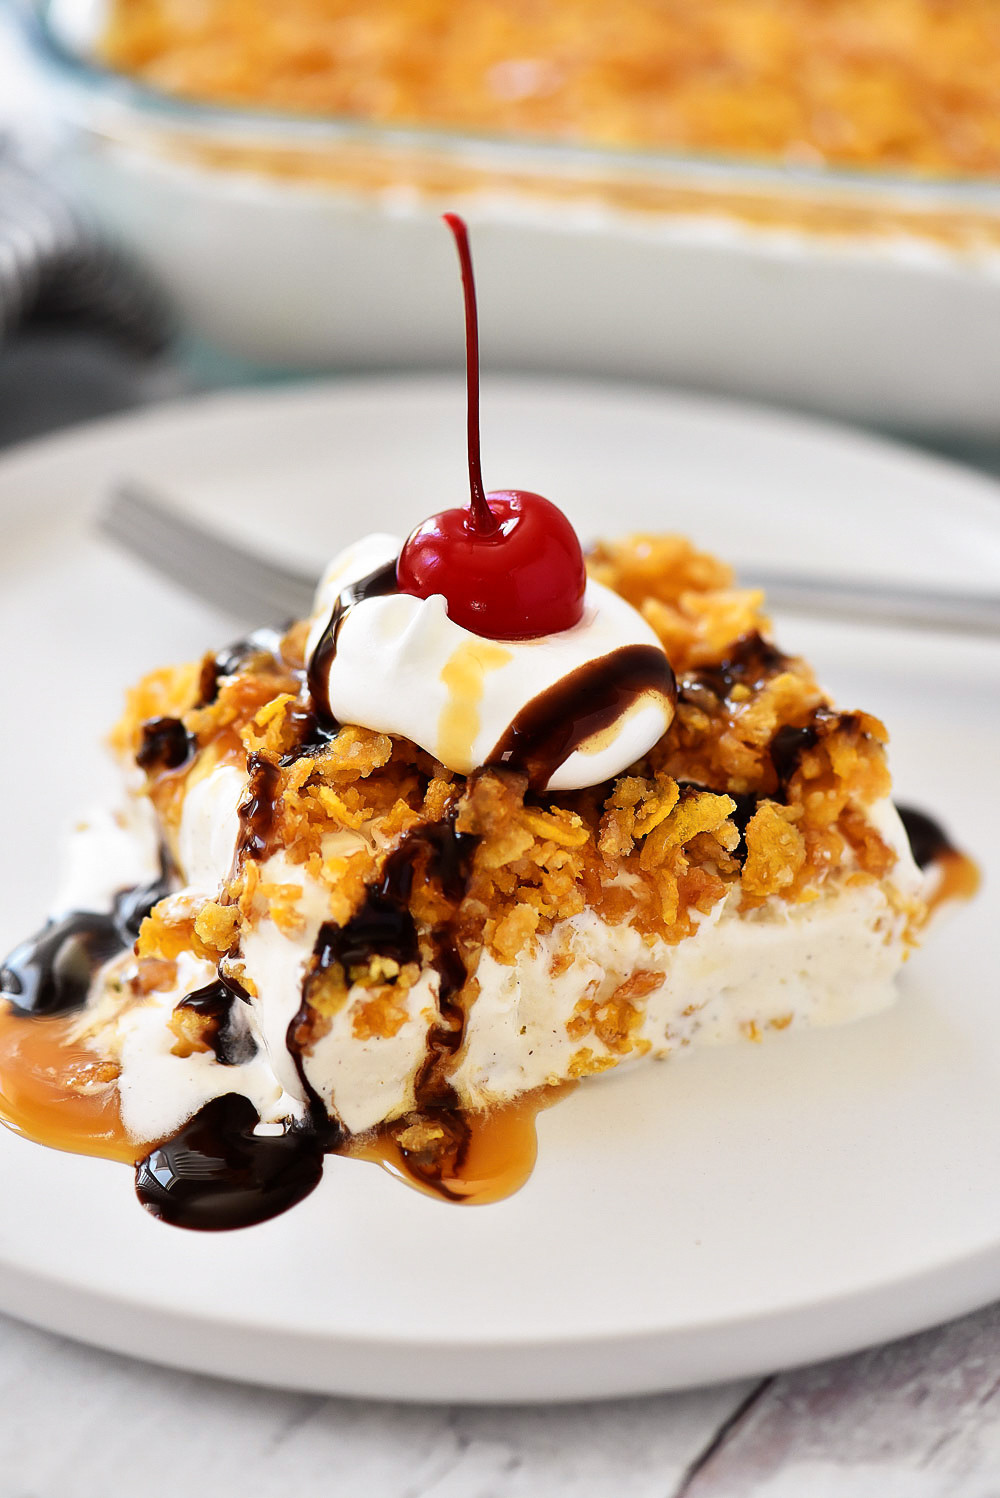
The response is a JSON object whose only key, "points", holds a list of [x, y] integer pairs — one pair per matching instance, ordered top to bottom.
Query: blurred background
{"points": [[794, 202]]}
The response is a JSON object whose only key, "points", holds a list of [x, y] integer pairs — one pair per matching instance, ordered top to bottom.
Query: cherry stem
{"points": [[483, 518]]}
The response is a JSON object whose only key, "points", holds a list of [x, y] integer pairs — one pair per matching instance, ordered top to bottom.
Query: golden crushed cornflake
{"points": [[758, 786], [381, 1014], [615, 1018], [193, 1030], [584, 1063], [419, 1138]]}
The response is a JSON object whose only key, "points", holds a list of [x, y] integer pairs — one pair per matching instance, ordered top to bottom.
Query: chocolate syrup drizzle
{"points": [[376, 584], [226, 662], [751, 662], [587, 701], [166, 745], [257, 809], [929, 843], [383, 926], [51, 973], [227, 1032], [216, 1172]]}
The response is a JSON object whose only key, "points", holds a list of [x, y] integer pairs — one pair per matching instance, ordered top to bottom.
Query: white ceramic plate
{"points": [[702, 1219]]}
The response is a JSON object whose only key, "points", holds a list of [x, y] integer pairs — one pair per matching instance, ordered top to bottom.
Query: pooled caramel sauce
{"points": [[56, 1092], [499, 1156], [215, 1173]]}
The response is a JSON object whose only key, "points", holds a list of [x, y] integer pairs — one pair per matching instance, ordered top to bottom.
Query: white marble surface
{"points": [[918, 1419], [77, 1423]]}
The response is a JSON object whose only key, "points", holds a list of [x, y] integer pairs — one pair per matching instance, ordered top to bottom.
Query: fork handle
{"points": [[880, 603]]}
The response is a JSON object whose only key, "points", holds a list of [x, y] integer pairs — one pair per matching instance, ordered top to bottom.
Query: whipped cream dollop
{"points": [[400, 665]]}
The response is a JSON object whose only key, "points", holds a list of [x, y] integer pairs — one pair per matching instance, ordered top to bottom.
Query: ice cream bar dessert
{"points": [[496, 818]]}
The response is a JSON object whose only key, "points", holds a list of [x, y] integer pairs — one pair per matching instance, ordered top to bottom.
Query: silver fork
{"points": [[223, 573], [259, 591]]}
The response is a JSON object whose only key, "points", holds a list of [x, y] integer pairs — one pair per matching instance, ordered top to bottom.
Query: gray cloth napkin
{"points": [[57, 270]]}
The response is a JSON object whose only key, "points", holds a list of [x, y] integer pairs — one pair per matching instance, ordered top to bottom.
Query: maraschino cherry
{"points": [[510, 565]]}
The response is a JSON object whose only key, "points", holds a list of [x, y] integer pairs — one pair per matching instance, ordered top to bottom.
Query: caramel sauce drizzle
{"points": [[464, 674], [499, 1154]]}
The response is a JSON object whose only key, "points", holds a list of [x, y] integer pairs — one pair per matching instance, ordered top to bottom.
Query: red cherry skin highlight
{"points": [[510, 566], [526, 578]]}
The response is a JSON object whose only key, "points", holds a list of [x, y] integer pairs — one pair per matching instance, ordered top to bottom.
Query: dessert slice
{"points": [[488, 823], [363, 949]]}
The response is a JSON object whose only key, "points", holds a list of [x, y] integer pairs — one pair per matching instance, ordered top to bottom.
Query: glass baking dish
{"points": [[302, 243]]}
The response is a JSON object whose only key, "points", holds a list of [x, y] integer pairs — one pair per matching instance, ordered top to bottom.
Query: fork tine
{"points": [[199, 559]]}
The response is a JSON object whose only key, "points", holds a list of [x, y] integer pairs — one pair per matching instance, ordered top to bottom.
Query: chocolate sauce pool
{"points": [[216, 1173]]}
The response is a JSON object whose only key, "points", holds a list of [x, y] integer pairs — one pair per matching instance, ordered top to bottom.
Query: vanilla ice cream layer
{"points": [[402, 666], [741, 974], [159, 1090]]}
